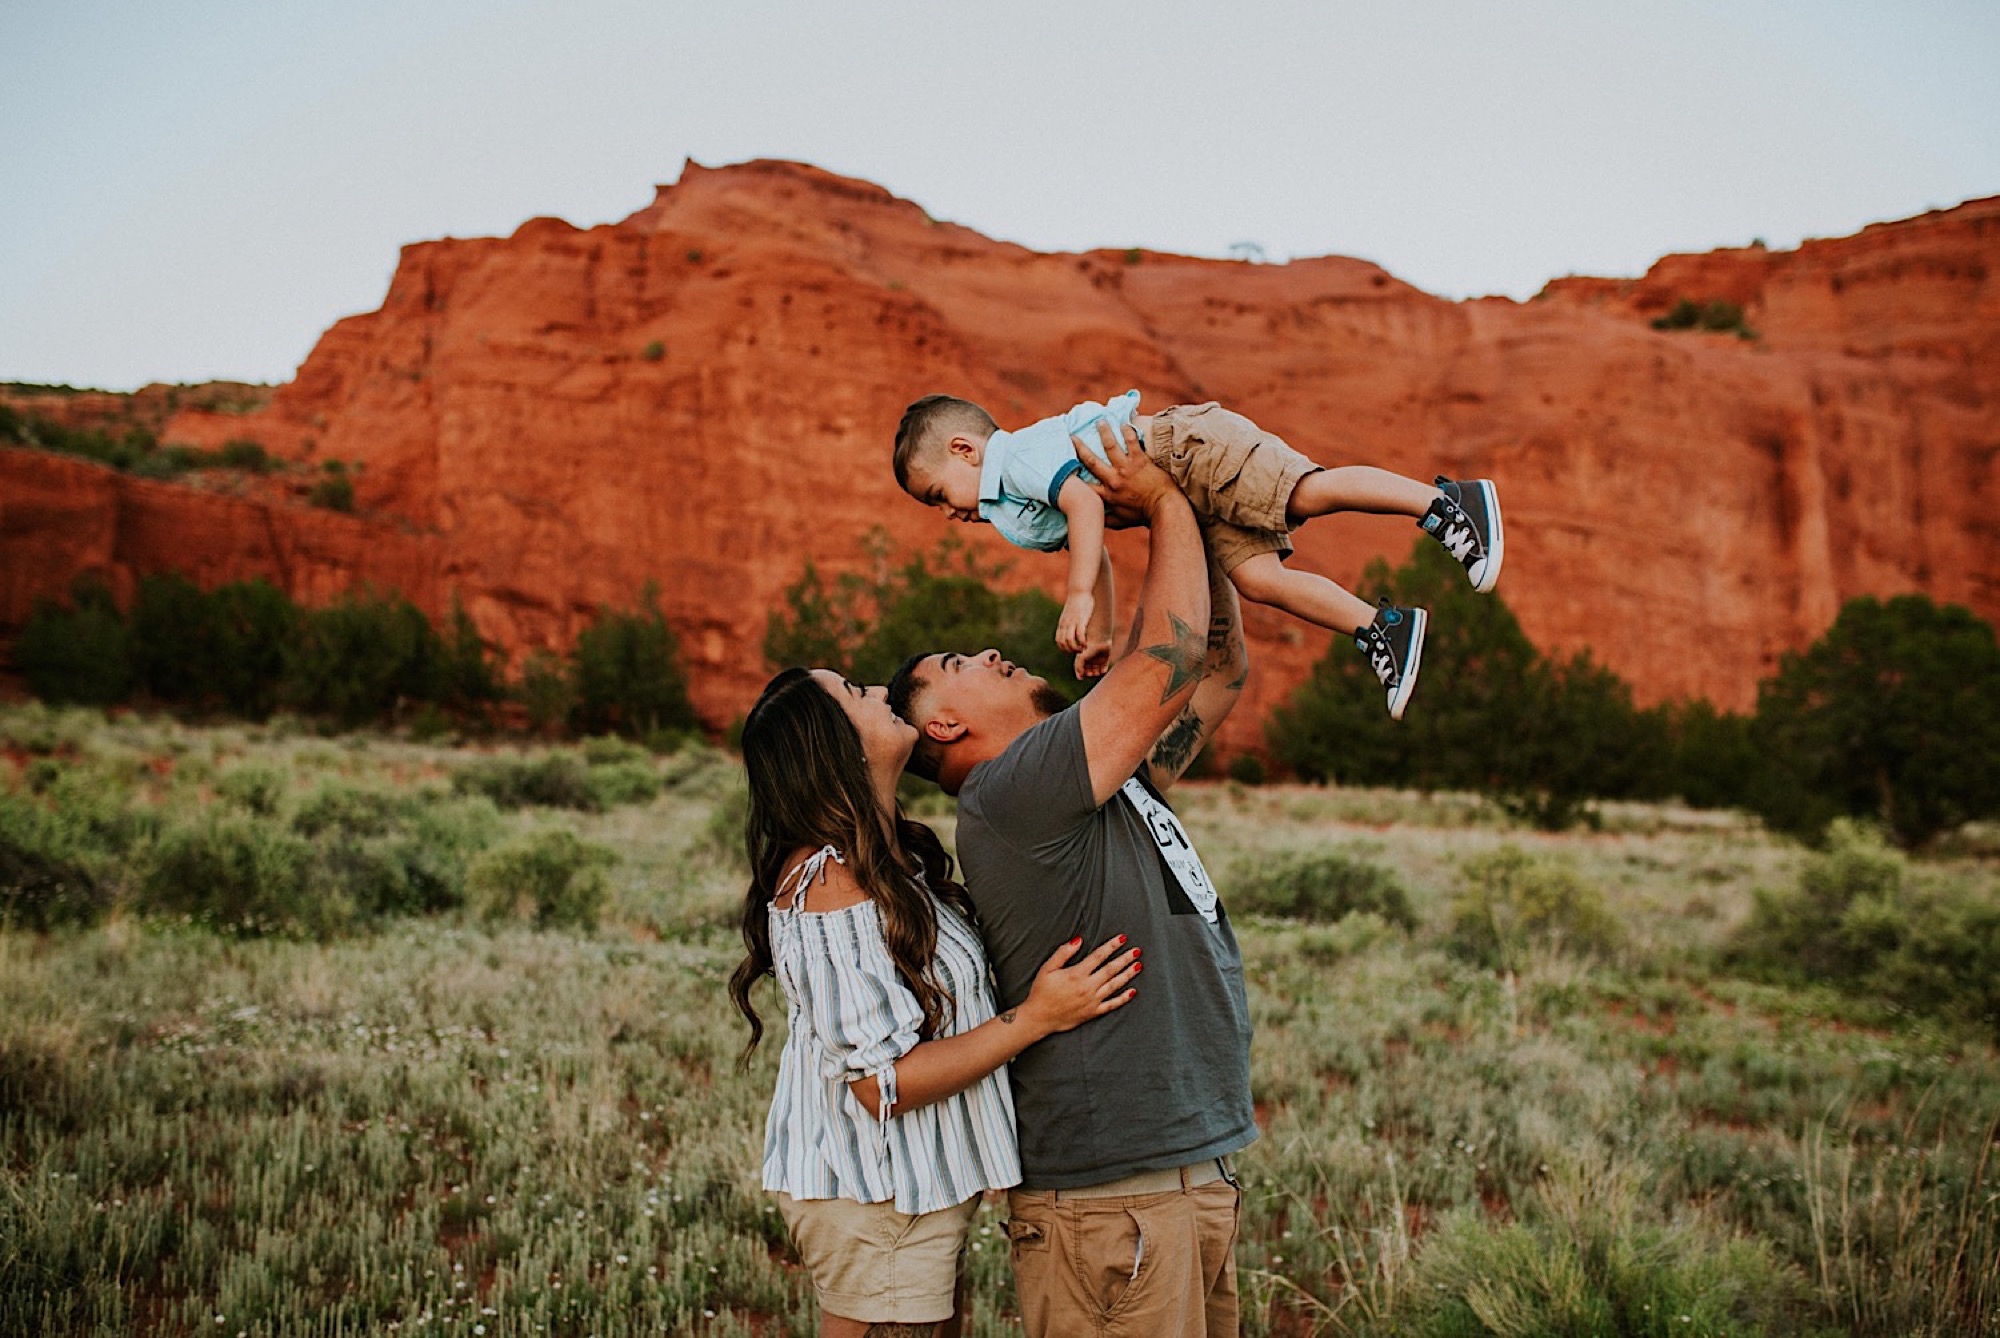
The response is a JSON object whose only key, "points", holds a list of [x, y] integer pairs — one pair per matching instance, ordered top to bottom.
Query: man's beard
{"points": [[1048, 701]]}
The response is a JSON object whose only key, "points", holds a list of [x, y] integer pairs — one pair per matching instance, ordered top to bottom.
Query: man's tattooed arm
{"points": [[1184, 657], [1226, 665], [1177, 747]]}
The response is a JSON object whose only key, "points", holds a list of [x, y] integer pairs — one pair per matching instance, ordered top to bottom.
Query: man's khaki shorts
{"points": [[1237, 477], [874, 1265], [1126, 1266]]}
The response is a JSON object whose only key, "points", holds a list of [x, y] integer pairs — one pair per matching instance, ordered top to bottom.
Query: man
{"points": [[1125, 1221]]}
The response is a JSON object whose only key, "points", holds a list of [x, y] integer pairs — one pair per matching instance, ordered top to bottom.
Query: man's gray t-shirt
{"points": [[1161, 1082]]}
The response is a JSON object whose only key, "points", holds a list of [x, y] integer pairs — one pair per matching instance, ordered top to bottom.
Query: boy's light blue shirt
{"points": [[1021, 472]]}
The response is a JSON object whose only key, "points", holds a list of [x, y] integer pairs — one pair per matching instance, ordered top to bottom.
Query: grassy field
{"points": [[522, 1113]]}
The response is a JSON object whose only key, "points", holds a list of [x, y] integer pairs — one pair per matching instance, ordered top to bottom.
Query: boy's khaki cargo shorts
{"points": [[1237, 477]]}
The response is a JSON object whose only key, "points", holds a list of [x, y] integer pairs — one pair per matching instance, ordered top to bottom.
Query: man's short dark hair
{"points": [[929, 423], [926, 758]]}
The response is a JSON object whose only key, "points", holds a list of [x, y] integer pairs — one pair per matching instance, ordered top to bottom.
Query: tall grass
{"points": [[430, 1121]]}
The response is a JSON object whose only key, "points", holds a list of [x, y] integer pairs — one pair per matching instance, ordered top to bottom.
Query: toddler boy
{"points": [[1248, 488]]}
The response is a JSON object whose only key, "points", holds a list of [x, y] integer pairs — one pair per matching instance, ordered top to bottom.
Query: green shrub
{"points": [[1717, 314], [653, 351], [123, 451], [246, 455], [335, 492], [253, 624], [173, 638], [224, 647], [80, 652], [359, 659], [471, 671], [627, 673], [545, 690], [1893, 714], [1494, 716], [429, 724], [38, 729], [666, 742], [605, 750], [1712, 760], [1247, 769], [556, 779], [560, 779], [620, 783], [255, 789], [92, 802], [342, 809], [724, 837], [438, 844], [240, 875], [368, 875], [550, 876], [48, 877], [1322, 885], [1508, 902], [1862, 920], [1946, 961], [1593, 1260]]}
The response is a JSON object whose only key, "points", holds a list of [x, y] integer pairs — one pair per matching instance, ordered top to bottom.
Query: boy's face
{"points": [[951, 482]]}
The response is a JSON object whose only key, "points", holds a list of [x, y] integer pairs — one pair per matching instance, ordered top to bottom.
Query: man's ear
{"points": [[944, 731]]}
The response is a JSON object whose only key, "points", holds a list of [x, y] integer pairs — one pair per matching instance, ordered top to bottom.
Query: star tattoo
{"points": [[1183, 656]]}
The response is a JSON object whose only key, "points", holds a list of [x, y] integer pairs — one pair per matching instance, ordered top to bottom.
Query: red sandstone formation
{"points": [[703, 395]]}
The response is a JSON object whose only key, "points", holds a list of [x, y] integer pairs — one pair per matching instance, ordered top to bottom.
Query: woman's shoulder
{"points": [[817, 881]]}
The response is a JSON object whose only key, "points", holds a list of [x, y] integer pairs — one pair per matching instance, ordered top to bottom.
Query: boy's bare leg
{"points": [[1356, 488], [1264, 579]]}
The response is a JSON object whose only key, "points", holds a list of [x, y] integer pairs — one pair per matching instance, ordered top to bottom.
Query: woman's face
{"points": [[885, 736]]}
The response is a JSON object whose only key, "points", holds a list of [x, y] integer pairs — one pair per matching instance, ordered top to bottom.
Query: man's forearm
{"points": [[1169, 624], [1228, 655], [1167, 657], [1227, 665]]}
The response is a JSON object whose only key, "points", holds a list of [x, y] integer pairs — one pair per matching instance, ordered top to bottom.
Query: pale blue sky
{"points": [[198, 189]]}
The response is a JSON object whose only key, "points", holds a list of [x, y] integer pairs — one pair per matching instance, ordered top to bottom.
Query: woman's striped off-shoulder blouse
{"points": [[850, 1018]]}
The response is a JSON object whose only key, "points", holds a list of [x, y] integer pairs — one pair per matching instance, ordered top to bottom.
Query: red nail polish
{"points": [[1121, 938], [1137, 967]]}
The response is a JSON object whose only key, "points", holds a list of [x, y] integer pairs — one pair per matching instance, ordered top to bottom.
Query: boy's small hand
{"points": [[1073, 628], [1093, 660]]}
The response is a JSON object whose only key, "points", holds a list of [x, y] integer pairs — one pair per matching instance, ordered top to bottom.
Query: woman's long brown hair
{"points": [[810, 787]]}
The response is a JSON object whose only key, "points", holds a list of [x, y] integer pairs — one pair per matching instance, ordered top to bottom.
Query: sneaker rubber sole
{"points": [[1496, 544], [1399, 696]]}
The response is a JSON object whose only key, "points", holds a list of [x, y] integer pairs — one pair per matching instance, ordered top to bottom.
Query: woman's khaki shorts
{"points": [[1237, 477], [872, 1264]]}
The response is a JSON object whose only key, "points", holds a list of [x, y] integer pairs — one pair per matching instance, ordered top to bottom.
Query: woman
{"points": [[891, 1117]]}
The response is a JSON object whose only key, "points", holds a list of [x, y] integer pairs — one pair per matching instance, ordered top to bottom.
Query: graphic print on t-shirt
{"points": [[1178, 852]]}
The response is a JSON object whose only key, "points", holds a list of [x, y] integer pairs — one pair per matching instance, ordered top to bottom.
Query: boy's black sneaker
{"points": [[1466, 520], [1394, 645]]}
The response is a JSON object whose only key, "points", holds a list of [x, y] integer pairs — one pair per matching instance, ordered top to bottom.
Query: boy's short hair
{"points": [[929, 423], [926, 758]]}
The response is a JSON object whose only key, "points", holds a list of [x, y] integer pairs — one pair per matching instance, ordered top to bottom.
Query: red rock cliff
{"points": [[704, 394]]}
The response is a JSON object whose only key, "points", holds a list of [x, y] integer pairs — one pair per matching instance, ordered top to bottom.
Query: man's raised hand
{"points": [[1130, 483]]}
